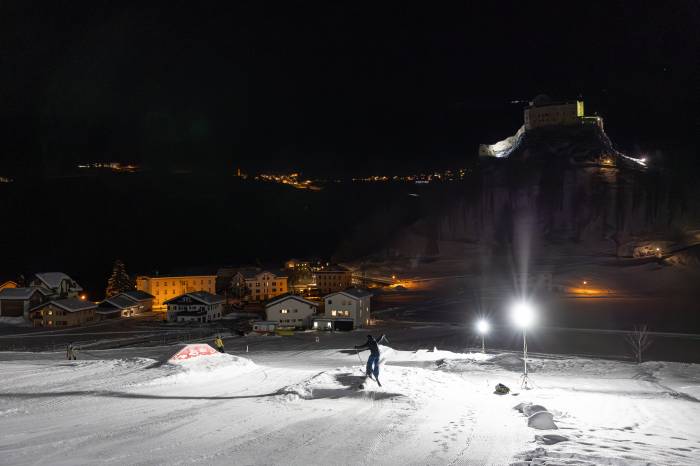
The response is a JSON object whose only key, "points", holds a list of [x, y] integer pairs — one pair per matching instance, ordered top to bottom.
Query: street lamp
{"points": [[523, 315], [482, 326]]}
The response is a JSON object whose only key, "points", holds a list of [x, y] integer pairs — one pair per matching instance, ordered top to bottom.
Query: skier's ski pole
{"points": [[358, 356]]}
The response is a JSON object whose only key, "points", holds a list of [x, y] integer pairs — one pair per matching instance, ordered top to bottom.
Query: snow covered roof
{"points": [[53, 280], [22, 293], [355, 293], [137, 295], [203, 297], [285, 297], [120, 302], [71, 304]]}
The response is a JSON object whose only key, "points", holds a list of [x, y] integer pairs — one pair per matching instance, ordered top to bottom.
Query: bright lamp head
{"points": [[523, 314], [482, 326]]}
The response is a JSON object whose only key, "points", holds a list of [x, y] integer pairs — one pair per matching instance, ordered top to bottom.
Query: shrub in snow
{"points": [[501, 389]]}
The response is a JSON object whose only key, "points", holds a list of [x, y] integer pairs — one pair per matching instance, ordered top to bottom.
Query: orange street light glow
{"points": [[588, 291]]}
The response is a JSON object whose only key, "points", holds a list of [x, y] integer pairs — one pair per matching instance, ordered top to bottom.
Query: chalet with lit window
{"points": [[143, 299], [353, 303], [117, 306], [198, 306], [291, 311], [67, 312]]}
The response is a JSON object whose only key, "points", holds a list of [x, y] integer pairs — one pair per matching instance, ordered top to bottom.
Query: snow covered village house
{"points": [[330, 279], [8, 284], [60, 284], [261, 285], [167, 287], [144, 300], [17, 302], [353, 303], [117, 306], [198, 306], [290, 311], [66, 312]]}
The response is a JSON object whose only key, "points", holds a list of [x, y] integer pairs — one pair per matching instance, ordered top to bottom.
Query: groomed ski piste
{"points": [[304, 407]]}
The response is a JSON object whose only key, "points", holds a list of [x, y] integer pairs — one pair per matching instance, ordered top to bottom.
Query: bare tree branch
{"points": [[639, 340]]}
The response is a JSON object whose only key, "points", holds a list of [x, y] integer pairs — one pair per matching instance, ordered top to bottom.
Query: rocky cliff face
{"points": [[562, 185]]}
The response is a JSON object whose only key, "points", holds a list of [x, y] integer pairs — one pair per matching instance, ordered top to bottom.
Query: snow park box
{"points": [[188, 352]]}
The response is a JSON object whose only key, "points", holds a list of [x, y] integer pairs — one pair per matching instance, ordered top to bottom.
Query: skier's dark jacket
{"points": [[372, 345]]}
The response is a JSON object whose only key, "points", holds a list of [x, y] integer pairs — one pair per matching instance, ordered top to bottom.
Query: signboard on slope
{"points": [[193, 351]]}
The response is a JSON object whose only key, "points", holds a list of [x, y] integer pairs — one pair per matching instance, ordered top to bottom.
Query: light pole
{"points": [[523, 315], [482, 326]]}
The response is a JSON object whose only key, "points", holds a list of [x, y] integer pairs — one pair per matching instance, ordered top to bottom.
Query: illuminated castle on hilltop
{"points": [[542, 111]]}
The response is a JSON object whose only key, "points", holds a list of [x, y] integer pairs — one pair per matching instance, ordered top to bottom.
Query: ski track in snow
{"points": [[304, 407]]}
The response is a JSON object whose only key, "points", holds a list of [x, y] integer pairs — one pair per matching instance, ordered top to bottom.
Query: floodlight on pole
{"points": [[523, 315], [483, 327]]}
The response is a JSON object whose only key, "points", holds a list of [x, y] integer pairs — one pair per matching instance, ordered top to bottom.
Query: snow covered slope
{"points": [[292, 407]]}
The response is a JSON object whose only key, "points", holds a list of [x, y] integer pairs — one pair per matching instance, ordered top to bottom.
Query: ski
{"points": [[367, 379]]}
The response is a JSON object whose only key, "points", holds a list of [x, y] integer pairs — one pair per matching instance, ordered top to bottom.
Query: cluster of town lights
{"points": [[523, 316]]}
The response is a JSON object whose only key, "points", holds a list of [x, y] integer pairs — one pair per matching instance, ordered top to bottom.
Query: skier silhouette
{"points": [[372, 345], [70, 352]]}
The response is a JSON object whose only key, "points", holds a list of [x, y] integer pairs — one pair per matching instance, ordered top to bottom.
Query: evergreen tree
{"points": [[119, 281]]}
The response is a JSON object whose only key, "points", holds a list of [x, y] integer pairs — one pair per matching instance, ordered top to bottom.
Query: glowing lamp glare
{"points": [[523, 314]]}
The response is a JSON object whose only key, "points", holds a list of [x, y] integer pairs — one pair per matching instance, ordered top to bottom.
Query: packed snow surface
{"points": [[304, 407]]}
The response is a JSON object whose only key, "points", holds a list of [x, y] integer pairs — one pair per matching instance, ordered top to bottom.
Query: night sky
{"points": [[331, 88]]}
